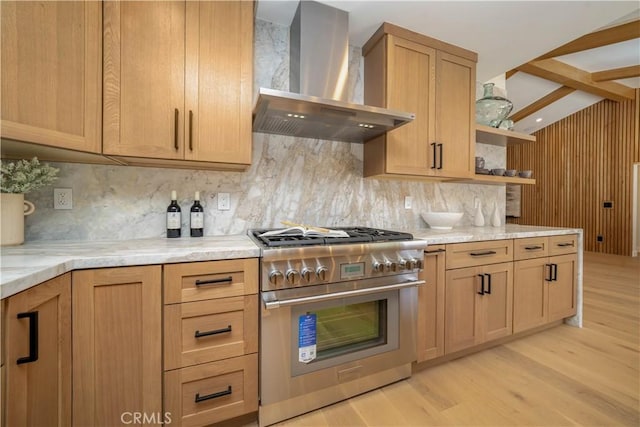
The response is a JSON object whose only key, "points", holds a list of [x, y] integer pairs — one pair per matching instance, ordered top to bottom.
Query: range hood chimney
{"points": [[317, 107]]}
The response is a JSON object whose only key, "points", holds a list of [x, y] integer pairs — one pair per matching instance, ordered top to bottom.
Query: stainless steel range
{"points": [[338, 316]]}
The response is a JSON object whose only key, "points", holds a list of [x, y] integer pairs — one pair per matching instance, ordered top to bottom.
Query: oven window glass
{"points": [[349, 328]]}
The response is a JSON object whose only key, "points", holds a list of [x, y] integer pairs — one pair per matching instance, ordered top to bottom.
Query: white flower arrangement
{"points": [[23, 176]]}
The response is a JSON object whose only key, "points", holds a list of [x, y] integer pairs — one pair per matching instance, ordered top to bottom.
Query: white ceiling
{"points": [[505, 34]]}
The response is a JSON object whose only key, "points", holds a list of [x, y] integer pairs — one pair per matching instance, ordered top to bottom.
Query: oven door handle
{"points": [[294, 301]]}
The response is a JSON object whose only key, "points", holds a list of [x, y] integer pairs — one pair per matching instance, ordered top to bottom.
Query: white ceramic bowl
{"points": [[441, 220]]}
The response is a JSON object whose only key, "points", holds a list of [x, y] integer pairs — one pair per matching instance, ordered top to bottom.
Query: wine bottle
{"points": [[174, 217], [197, 217]]}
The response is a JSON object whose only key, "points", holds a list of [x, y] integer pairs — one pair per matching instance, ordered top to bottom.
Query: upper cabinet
{"points": [[51, 73], [436, 81], [178, 83]]}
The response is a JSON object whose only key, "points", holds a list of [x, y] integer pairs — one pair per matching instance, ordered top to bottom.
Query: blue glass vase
{"points": [[491, 110]]}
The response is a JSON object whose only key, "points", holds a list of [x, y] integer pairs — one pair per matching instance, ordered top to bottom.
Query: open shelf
{"points": [[501, 137], [499, 180]]}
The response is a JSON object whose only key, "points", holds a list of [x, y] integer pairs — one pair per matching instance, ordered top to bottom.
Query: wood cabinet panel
{"points": [[51, 73], [560, 245], [531, 247], [479, 253], [198, 281], [562, 291], [530, 292], [498, 304], [431, 307], [235, 320], [117, 343], [231, 386], [39, 393]]}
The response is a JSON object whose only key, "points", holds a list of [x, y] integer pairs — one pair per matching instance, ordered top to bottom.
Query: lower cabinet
{"points": [[544, 291], [478, 305], [430, 330], [37, 342], [117, 345]]}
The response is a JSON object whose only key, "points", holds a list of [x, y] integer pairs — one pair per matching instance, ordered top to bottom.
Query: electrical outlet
{"points": [[62, 198], [408, 201], [224, 203], [600, 238]]}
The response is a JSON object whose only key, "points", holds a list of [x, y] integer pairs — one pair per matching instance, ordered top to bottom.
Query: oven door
{"points": [[325, 344]]}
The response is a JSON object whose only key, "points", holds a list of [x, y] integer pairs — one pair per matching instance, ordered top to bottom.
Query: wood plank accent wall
{"points": [[578, 163]]}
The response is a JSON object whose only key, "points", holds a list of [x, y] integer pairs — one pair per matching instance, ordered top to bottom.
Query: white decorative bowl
{"points": [[441, 220]]}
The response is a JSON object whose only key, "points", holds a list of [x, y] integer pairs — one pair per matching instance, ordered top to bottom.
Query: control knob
{"points": [[413, 264], [402, 265], [391, 266], [377, 267], [321, 273], [306, 274], [293, 276], [276, 278]]}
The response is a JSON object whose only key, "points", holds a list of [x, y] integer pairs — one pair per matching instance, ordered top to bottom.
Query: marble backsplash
{"points": [[302, 180]]}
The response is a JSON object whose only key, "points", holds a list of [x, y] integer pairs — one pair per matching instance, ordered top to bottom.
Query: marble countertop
{"points": [[27, 265]]}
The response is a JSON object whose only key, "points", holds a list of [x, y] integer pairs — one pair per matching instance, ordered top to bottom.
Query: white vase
{"points": [[13, 209], [478, 218], [496, 220]]}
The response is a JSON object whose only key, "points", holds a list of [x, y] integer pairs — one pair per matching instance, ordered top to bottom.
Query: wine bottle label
{"points": [[173, 220], [197, 220]]}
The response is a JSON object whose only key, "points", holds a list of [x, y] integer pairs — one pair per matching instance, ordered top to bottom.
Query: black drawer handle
{"points": [[433, 159], [440, 160], [562, 245], [532, 248], [435, 251], [482, 253], [555, 272], [481, 276], [549, 277], [214, 281], [488, 291], [214, 332], [33, 337], [213, 395]]}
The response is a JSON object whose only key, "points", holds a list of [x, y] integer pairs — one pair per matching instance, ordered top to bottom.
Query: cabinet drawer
{"points": [[559, 245], [532, 247], [478, 253], [199, 281], [205, 331], [212, 392]]}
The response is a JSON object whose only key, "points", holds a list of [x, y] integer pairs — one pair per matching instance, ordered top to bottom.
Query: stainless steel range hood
{"points": [[318, 107]]}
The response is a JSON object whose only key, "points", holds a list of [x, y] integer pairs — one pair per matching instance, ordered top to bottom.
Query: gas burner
{"points": [[356, 235]]}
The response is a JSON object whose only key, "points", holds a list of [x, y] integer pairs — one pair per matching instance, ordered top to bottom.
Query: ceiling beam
{"points": [[617, 34], [510, 73], [615, 74], [576, 78], [538, 105]]}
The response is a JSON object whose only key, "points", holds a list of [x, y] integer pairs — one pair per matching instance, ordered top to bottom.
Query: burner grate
{"points": [[356, 235]]}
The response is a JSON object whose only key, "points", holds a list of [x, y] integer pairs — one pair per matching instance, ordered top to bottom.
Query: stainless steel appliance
{"points": [[337, 317]]}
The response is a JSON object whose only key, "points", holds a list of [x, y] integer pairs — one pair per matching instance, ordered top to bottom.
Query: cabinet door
{"points": [[144, 51], [219, 66], [51, 68], [411, 87], [455, 115], [562, 290], [530, 293], [498, 304], [463, 307], [430, 340], [117, 344], [39, 392]]}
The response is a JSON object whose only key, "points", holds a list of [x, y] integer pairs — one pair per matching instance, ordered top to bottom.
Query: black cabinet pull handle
{"points": [[176, 117], [190, 130], [433, 159], [440, 160], [562, 245], [532, 248], [435, 251], [482, 253], [555, 272], [549, 275], [481, 276], [214, 281], [488, 284], [214, 332], [33, 337], [213, 395]]}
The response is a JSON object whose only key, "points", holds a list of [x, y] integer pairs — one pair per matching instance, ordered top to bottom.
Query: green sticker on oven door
{"points": [[307, 338]]}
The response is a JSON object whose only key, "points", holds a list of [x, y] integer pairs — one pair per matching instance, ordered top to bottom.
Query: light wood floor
{"points": [[561, 376]]}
